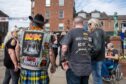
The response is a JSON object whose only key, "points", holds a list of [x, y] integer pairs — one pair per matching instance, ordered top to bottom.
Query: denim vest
{"points": [[35, 50]]}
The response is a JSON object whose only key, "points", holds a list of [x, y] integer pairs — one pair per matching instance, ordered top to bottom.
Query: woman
{"points": [[10, 57]]}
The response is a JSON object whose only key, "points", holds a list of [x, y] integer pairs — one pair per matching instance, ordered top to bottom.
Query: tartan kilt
{"points": [[33, 77]]}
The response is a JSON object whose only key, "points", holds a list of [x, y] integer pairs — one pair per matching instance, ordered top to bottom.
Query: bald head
{"points": [[78, 20]]}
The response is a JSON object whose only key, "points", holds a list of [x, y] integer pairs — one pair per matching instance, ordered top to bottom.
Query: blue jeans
{"points": [[105, 67], [96, 72], [10, 73], [73, 79]]}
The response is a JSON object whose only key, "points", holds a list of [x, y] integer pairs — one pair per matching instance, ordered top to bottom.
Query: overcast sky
{"points": [[108, 6], [16, 8], [21, 8]]}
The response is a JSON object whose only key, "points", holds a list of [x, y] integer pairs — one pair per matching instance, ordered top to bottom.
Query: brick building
{"points": [[59, 13], [107, 20], [3, 25]]}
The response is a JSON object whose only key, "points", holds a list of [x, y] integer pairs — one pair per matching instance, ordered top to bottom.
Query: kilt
{"points": [[33, 77]]}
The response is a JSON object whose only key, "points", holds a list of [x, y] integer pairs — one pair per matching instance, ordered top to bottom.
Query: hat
{"points": [[38, 18]]}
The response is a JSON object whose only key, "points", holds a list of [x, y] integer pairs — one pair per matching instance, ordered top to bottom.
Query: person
{"points": [[98, 38], [55, 45], [60, 46], [11, 57], [76, 59], [110, 62], [34, 65]]}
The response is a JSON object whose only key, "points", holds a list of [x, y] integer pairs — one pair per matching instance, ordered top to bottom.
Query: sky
{"points": [[108, 6], [16, 8], [21, 8]]}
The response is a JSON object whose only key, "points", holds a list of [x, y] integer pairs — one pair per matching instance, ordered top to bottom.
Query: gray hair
{"points": [[78, 20], [97, 23], [9, 35]]}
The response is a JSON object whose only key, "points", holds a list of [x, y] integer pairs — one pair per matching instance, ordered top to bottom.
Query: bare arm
{"points": [[17, 50], [64, 50], [12, 55], [52, 57], [112, 57], [63, 58]]}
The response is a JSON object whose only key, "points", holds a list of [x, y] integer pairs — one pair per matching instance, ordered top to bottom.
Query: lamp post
{"points": [[115, 17]]}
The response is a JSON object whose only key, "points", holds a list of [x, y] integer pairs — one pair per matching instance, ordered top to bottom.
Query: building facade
{"points": [[59, 13], [107, 20], [3, 26]]}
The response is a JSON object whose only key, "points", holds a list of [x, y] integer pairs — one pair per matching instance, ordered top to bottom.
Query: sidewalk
{"points": [[56, 78]]}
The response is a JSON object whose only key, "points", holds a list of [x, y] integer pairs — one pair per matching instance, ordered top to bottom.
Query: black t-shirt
{"points": [[11, 44], [113, 53], [78, 56]]}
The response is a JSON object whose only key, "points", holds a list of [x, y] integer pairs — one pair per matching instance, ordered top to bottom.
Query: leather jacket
{"points": [[98, 38]]}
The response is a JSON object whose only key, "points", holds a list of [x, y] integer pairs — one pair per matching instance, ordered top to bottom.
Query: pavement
{"points": [[56, 78]]}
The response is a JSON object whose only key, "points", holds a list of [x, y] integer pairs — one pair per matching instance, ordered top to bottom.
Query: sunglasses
{"points": [[89, 24]]}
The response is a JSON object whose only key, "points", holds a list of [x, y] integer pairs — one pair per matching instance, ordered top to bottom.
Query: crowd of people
{"points": [[82, 51]]}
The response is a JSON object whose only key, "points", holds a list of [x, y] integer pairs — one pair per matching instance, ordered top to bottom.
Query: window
{"points": [[48, 2], [61, 2], [33, 4], [47, 14], [61, 14], [82, 15], [95, 15], [47, 27], [61, 27]]}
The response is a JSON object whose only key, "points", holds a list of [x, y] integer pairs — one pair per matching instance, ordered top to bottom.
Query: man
{"points": [[36, 54], [98, 56], [10, 57], [76, 59], [111, 61]]}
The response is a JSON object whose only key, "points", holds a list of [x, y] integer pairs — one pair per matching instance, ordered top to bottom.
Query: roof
{"points": [[2, 14], [103, 15], [120, 17]]}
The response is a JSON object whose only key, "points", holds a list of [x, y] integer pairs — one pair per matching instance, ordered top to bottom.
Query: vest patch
{"points": [[35, 49]]}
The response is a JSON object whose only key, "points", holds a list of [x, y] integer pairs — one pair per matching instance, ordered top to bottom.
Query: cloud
{"points": [[108, 6], [16, 8]]}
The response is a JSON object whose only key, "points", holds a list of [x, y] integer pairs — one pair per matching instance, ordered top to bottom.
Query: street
{"points": [[57, 78]]}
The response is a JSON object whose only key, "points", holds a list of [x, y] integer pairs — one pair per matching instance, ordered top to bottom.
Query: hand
{"points": [[19, 65], [65, 65], [16, 68], [53, 68]]}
